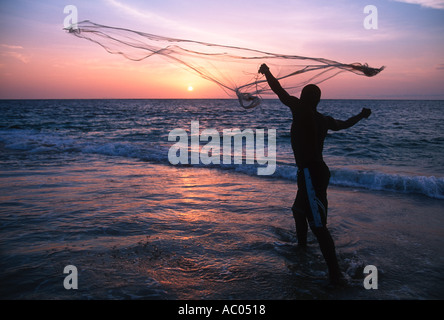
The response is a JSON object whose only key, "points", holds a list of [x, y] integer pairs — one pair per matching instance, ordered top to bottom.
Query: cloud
{"points": [[435, 4], [143, 14], [159, 20], [8, 46], [14, 54], [21, 57], [440, 66]]}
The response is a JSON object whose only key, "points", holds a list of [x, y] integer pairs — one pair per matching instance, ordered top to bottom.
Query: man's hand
{"points": [[264, 69], [366, 113]]}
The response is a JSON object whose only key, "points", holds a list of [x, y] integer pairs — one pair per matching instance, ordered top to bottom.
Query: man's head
{"points": [[311, 95]]}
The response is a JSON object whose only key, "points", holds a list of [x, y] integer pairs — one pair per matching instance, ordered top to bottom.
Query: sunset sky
{"points": [[39, 60]]}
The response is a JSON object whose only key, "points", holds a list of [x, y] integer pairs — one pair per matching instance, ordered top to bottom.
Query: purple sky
{"points": [[40, 60]]}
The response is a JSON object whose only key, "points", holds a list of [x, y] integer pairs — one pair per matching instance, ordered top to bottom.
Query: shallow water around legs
{"points": [[137, 230]]}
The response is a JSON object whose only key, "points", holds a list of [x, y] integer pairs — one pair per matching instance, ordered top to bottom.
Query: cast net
{"points": [[234, 69]]}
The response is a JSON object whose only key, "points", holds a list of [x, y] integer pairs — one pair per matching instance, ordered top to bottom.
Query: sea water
{"points": [[89, 183]]}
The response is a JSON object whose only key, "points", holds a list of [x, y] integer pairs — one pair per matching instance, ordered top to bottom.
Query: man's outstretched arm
{"points": [[274, 84], [337, 125]]}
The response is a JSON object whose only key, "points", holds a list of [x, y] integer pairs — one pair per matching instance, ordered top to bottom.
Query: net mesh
{"points": [[232, 68]]}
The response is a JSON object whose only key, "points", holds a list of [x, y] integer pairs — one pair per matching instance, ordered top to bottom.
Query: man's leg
{"points": [[300, 208], [317, 218], [300, 219], [328, 250]]}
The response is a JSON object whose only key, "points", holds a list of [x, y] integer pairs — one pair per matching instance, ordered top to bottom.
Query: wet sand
{"points": [[137, 230]]}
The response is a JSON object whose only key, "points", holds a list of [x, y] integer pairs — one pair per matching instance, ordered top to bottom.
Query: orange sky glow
{"points": [[38, 60]]}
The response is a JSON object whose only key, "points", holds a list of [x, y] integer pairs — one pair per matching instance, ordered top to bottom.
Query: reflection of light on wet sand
{"points": [[193, 216], [144, 230]]}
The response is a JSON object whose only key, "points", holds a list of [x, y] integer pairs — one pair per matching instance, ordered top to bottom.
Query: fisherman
{"points": [[308, 132]]}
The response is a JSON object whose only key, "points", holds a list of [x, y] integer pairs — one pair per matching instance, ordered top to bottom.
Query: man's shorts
{"points": [[311, 199]]}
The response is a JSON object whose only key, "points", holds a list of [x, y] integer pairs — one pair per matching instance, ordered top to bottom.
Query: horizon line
{"points": [[234, 99]]}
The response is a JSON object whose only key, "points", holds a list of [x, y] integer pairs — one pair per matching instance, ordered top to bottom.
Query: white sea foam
{"points": [[32, 142], [429, 186]]}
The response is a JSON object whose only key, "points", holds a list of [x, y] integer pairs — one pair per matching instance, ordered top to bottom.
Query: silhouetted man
{"points": [[308, 132]]}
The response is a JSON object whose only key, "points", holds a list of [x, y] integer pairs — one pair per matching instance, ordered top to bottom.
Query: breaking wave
{"points": [[34, 143]]}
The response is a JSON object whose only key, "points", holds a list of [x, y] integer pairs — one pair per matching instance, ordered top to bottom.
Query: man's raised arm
{"points": [[274, 84], [337, 125]]}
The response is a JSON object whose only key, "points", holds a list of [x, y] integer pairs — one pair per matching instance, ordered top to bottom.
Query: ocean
{"points": [[90, 184]]}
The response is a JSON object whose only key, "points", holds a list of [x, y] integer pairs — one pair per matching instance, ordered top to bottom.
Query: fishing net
{"points": [[233, 68]]}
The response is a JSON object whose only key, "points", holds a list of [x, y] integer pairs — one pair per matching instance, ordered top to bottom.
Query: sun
{"points": [[190, 88]]}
